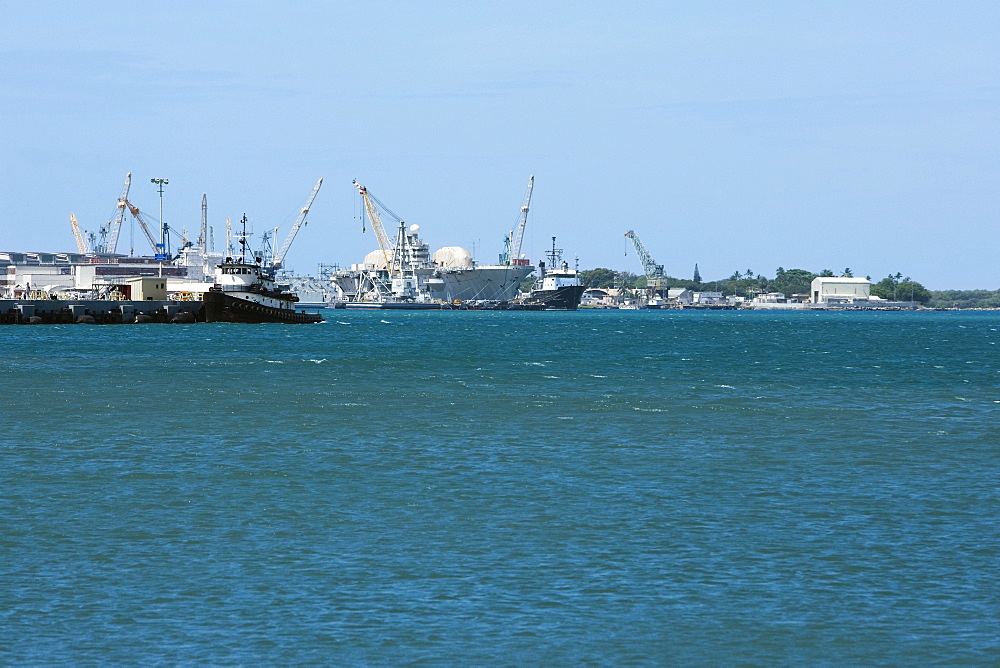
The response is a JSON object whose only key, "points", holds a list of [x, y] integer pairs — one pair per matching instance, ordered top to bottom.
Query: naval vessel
{"points": [[406, 273]]}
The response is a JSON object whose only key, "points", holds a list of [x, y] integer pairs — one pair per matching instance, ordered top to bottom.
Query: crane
{"points": [[372, 205], [142, 223], [116, 226], [110, 230], [203, 237], [81, 245], [512, 253], [280, 257], [654, 272]]}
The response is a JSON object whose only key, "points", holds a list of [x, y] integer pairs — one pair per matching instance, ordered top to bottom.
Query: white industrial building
{"points": [[45, 275], [840, 290], [681, 296], [708, 298]]}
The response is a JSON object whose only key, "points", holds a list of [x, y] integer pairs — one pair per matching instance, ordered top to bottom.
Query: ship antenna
{"points": [[243, 241]]}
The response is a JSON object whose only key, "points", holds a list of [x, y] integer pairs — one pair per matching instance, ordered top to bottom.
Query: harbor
{"points": [[247, 282], [632, 334]]}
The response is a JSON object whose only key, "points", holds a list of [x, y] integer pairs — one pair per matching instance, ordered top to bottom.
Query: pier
{"points": [[98, 312]]}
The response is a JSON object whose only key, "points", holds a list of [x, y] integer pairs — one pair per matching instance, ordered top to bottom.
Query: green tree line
{"points": [[744, 283], [747, 283], [895, 287], [965, 299]]}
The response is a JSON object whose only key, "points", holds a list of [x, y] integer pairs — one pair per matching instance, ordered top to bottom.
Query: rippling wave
{"points": [[504, 488]]}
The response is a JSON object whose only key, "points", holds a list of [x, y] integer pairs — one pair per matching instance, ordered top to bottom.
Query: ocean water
{"points": [[504, 488]]}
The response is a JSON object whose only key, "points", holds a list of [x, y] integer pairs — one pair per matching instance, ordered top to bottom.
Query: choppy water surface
{"points": [[461, 487]]}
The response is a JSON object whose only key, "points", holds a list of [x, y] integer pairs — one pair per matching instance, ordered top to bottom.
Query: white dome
{"points": [[452, 256], [376, 259]]}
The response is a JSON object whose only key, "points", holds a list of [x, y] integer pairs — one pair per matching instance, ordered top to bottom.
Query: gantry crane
{"points": [[372, 205], [81, 245], [512, 252], [280, 257], [655, 280]]}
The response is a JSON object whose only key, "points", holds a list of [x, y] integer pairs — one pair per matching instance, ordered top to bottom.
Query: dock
{"points": [[98, 312]]}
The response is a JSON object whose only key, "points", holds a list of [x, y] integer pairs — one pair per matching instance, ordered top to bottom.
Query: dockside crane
{"points": [[372, 206], [134, 210], [116, 225], [108, 233], [203, 236], [81, 245], [512, 252], [280, 257], [655, 279]]}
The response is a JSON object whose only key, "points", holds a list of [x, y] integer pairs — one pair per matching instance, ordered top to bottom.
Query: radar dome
{"points": [[414, 228], [452, 256], [376, 259]]}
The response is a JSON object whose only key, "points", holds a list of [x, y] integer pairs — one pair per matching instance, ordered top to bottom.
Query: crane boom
{"points": [[376, 221], [142, 223], [116, 226], [518, 235], [203, 236], [81, 245], [280, 257], [649, 265]]}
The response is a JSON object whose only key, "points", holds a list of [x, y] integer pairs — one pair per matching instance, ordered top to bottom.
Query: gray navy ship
{"points": [[406, 273]]}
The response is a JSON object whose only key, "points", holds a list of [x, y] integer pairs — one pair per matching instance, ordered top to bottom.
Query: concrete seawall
{"points": [[97, 312]]}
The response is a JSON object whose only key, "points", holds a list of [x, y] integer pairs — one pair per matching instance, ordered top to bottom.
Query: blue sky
{"points": [[734, 135]]}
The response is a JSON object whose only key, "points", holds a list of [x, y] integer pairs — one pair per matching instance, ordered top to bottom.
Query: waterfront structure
{"points": [[44, 275], [829, 290], [681, 296], [599, 298], [708, 298]]}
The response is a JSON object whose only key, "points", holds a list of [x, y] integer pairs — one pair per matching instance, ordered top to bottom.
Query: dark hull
{"points": [[566, 298], [222, 307]]}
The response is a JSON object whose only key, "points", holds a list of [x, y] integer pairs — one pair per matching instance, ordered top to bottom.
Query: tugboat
{"points": [[558, 287], [247, 293]]}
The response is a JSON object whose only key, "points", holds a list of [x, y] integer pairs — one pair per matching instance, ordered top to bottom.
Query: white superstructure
{"points": [[248, 282]]}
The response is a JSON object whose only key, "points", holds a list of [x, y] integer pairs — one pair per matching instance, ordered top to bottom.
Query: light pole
{"points": [[163, 228], [161, 247]]}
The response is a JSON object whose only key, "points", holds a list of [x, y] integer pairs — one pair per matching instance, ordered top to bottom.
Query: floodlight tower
{"points": [[163, 226]]}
